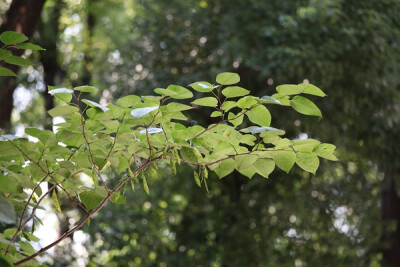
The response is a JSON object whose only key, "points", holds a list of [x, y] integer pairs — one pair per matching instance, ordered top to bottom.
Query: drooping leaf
{"points": [[10, 38], [30, 46], [14, 60], [228, 78], [234, 91], [206, 101], [305, 106], [140, 112], [259, 115], [284, 159], [244, 161], [307, 161], [264, 167], [225, 168], [197, 178]]}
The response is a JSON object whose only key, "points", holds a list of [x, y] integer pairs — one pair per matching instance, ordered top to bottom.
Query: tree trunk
{"points": [[22, 16], [391, 215]]}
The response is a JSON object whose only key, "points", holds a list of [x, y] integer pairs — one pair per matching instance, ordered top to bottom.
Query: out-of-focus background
{"points": [[348, 214]]}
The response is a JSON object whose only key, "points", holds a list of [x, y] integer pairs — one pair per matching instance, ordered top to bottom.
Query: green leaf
{"points": [[10, 38], [30, 46], [4, 53], [14, 60], [6, 72], [228, 78], [203, 87], [86, 89], [289, 89], [311, 89], [235, 91], [181, 92], [64, 94], [269, 100], [128, 101], [206, 101], [246, 102], [94, 104], [227, 105], [305, 106], [174, 107], [62, 111], [140, 112], [216, 114], [259, 115], [235, 122], [307, 145], [326, 151], [190, 154], [284, 159], [244, 161], [307, 161], [264, 167], [225, 168], [248, 172], [118, 198], [90, 199], [55, 201], [7, 213], [26, 248], [4, 261]]}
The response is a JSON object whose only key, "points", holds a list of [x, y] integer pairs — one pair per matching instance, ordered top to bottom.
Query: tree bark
{"points": [[22, 17], [390, 207]]}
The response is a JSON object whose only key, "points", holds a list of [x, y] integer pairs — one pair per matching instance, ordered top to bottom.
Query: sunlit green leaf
{"points": [[228, 78], [203, 87], [311, 89], [235, 91], [206, 101], [305, 106], [259, 115], [284, 159], [307, 161]]}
